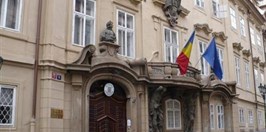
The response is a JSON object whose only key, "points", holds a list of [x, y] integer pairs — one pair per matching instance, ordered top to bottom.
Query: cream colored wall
{"points": [[17, 48]]}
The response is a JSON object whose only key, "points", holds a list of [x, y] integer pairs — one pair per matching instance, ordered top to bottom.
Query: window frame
{"points": [[200, 3], [215, 11], [19, 15], [84, 17], [233, 17], [242, 26], [126, 30], [252, 36], [258, 38], [171, 45], [203, 63], [237, 70], [247, 74], [256, 74], [13, 105], [173, 110], [212, 115], [221, 115], [241, 115], [250, 117]]}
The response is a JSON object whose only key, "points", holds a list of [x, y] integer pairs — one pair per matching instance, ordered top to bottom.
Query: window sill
{"points": [[200, 9], [216, 18], [13, 34]]}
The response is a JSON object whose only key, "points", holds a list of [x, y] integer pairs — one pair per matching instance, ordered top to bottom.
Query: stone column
{"points": [[76, 113], [205, 116]]}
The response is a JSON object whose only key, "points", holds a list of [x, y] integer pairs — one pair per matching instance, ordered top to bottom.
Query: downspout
{"points": [[36, 64], [252, 66]]}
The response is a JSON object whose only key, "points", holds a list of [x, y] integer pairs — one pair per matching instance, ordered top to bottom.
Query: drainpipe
{"points": [[36, 64], [252, 66]]}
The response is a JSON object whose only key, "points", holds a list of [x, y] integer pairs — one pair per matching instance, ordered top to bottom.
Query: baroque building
{"points": [[109, 65]]}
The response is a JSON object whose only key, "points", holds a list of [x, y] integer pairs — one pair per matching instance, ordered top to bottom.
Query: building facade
{"points": [[64, 69]]}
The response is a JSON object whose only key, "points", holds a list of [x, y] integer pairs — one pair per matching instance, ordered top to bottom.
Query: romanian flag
{"points": [[183, 59]]}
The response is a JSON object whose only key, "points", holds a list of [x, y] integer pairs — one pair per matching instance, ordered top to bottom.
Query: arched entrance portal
{"points": [[107, 113]]}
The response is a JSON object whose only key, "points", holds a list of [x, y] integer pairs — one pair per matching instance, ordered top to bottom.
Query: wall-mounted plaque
{"points": [[109, 89], [57, 113]]}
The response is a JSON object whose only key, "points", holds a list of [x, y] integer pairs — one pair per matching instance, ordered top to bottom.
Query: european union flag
{"points": [[212, 57]]}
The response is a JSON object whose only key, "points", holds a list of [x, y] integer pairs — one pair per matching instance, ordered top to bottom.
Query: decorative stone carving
{"points": [[233, 1], [241, 9], [172, 10], [184, 11], [205, 27], [258, 27], [108, 35], [220, 35], [237, 46], [246, 52], [87, 54], [256, 59], [262, 64], [206, 82], [155, 110], [190, 110]]}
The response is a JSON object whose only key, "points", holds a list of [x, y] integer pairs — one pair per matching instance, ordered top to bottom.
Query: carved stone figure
{"points": [[172, 10], [108, 34], [156, 112], [189, 112]]}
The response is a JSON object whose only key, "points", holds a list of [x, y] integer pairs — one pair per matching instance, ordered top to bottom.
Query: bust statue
{"points": [[108, 34]]}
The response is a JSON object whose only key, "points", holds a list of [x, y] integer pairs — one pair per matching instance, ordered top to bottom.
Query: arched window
{"points": [[173, 114]]}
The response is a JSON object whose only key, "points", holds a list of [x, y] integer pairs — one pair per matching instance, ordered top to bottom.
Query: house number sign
{"points": [[109, 89]]}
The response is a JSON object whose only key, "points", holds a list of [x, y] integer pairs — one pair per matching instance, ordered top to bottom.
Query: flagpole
{"points": [[198, 61]]}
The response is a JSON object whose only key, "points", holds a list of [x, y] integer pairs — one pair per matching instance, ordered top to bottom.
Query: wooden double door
{"points": [[107, 114]]}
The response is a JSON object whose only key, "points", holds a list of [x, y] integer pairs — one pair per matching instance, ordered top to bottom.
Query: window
{"points": [[200, 3], [215, 7], [10, 11], [233, 18], [84, 22], [242, 27], [126, 33], [252, 36], [258, 40], [171, 45], [221, 57], [203, 62], [237, 70], [247, 75], [256, 78], [262, 78], [7, 105], [173, 114], [241, 115], [211, 116], [220, 116], [250, 117], [260, 120]]}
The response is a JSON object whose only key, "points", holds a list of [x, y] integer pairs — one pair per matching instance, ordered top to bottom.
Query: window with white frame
{"points": [[199, 3], [215, 7], [10, 11], [233, 17], [84, 22], [242, 26], [126, 33], [252, 35], [258, 40], [171, 45], [221, 57], [203, 63], [237, 66], [247, 75], [256, 78], [262, 78], [7, 105], [173, 114], [241, 115], [212, 116], [220, 116], [250, 117], [260, 120]]}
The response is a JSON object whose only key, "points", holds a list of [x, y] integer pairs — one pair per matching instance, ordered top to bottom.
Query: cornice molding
{"points": [[135, 1], [233, 1], [241, 9], [205, 27], [220, 35], [237, 46]]}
